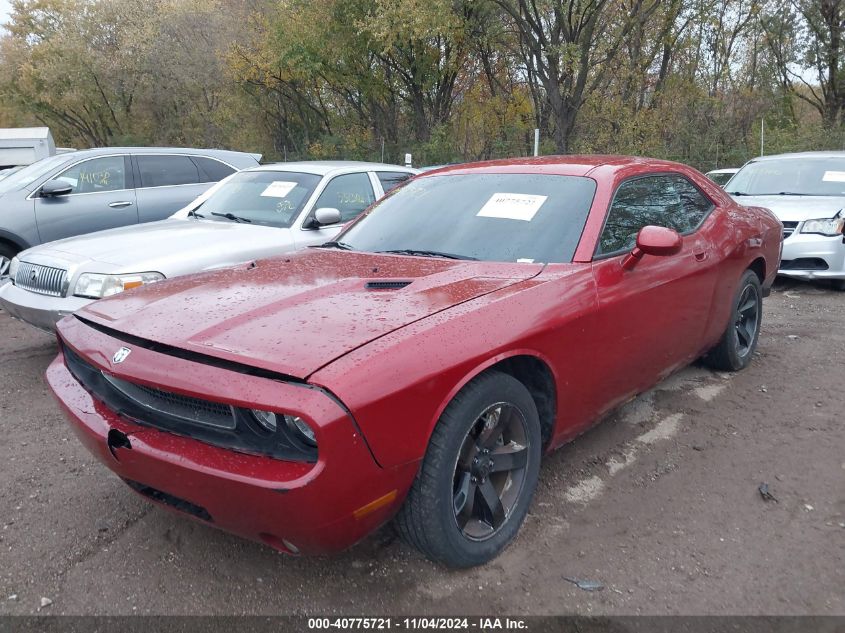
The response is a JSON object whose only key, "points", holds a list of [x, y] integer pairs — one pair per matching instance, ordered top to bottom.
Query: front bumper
{"points": [[808, 256], [40, 311], [318, 508]]}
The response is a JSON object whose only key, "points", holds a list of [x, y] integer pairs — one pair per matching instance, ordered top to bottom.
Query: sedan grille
{"points": [[789, 228], [43, 280]]}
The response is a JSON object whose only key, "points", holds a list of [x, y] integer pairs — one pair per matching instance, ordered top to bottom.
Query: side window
{"points": [[211, 170], [163, 171], [96, 175], [392, 179], [350, 193], [670, 201], [696, 204]]}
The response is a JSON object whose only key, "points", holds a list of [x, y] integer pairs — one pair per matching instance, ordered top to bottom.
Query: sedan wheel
{"points": [[478, 475]]}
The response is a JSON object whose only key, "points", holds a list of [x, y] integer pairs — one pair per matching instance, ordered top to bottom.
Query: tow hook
{"points": [[117, 439]]}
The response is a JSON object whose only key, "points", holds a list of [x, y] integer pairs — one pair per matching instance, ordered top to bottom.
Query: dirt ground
{"points": [[659, 503]]}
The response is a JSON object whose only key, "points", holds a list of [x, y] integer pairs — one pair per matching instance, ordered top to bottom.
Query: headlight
{"points": [[830, 227], [13, 267], [97, 285], [270, 422]]}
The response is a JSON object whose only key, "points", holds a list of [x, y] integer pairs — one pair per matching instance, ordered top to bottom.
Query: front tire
{"points": [[6, 255], [736, 347], [478, 475]]}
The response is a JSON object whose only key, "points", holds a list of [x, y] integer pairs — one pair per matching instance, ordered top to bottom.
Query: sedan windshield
{"points": [[31, 173], [797, 176], [268, 198], [491, 217]]}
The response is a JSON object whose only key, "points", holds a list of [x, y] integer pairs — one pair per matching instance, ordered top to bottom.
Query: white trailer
{"points": [[25, 145]]}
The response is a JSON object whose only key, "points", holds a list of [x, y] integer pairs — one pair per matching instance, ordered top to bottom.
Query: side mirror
{"points": [[55, 188], [324, 216], [658, 241]]}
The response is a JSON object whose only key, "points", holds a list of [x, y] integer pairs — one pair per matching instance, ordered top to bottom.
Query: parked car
{"points": [[8, 171], [722, 176], [91, 190], [807, 192], [256, 213], [418, 365]]}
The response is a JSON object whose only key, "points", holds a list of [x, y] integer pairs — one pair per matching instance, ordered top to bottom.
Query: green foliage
{"points": [[446, 80]]}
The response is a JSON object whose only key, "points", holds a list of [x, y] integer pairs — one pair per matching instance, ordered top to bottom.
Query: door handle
{"points": [[120, 205]]}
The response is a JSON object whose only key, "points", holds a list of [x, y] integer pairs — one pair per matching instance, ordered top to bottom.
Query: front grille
{"points": [[789, 228], [804, 263], [44, 280], [185, 407], [211, 422]]}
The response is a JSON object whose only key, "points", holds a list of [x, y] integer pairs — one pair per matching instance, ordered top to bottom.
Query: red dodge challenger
{"points": [[418, 367]]}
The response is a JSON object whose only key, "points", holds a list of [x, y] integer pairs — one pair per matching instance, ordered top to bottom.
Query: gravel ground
{"points": [[659, 503]]}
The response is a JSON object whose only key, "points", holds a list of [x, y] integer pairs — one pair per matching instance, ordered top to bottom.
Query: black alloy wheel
{"points": [[739, 340], [479, 472]]}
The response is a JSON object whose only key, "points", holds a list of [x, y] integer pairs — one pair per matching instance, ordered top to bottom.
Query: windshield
{"points": [[31, 173], [795, 176], [269, 198], [491, 217]]}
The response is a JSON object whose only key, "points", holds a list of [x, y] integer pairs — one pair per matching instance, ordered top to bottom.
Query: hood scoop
{"points": [[387, 285]]}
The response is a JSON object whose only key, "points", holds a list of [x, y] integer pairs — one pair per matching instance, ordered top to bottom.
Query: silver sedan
{"points": [[806, 191], [253, 214]]}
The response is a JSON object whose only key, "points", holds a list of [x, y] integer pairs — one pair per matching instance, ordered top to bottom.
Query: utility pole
{"points": [[762, 134], [536, 141]]}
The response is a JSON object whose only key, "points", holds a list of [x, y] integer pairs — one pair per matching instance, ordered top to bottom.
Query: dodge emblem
{"points": [[121, 355]]}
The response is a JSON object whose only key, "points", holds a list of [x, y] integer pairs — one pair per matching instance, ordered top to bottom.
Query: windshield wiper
{"points": [[738, 193], [791, 193], [194, 214], [232, 216], [332, 244], [424, 253]]}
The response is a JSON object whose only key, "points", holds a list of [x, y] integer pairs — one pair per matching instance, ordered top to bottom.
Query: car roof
{"points": [[97, 151], [823, 154], [569, 165], [323, 167]]}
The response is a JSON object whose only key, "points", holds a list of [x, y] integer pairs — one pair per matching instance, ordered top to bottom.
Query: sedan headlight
{"points": [[828, 226], [13, 267], [97, 285], [295, 425]]}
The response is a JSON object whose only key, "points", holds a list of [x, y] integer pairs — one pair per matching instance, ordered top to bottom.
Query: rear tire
{"points": [[7, 252], [736, 347], [478, 475]]}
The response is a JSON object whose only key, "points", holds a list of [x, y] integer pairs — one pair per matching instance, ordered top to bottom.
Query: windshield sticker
{"points": [[834, 176], [278, 189], [512, 206], [524, 260]]}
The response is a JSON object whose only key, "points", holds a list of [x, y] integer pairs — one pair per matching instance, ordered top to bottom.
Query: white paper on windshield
{"points": [[834, 176], [278, 189], [512, 206], [524, 260]]}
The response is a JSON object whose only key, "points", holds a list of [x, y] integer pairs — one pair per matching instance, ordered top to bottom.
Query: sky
{"points": [[4, 11]]}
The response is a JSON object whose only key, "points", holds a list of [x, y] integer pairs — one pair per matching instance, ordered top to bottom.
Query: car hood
{"points": [[796, 208], [147, 246], [297, 314]]}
